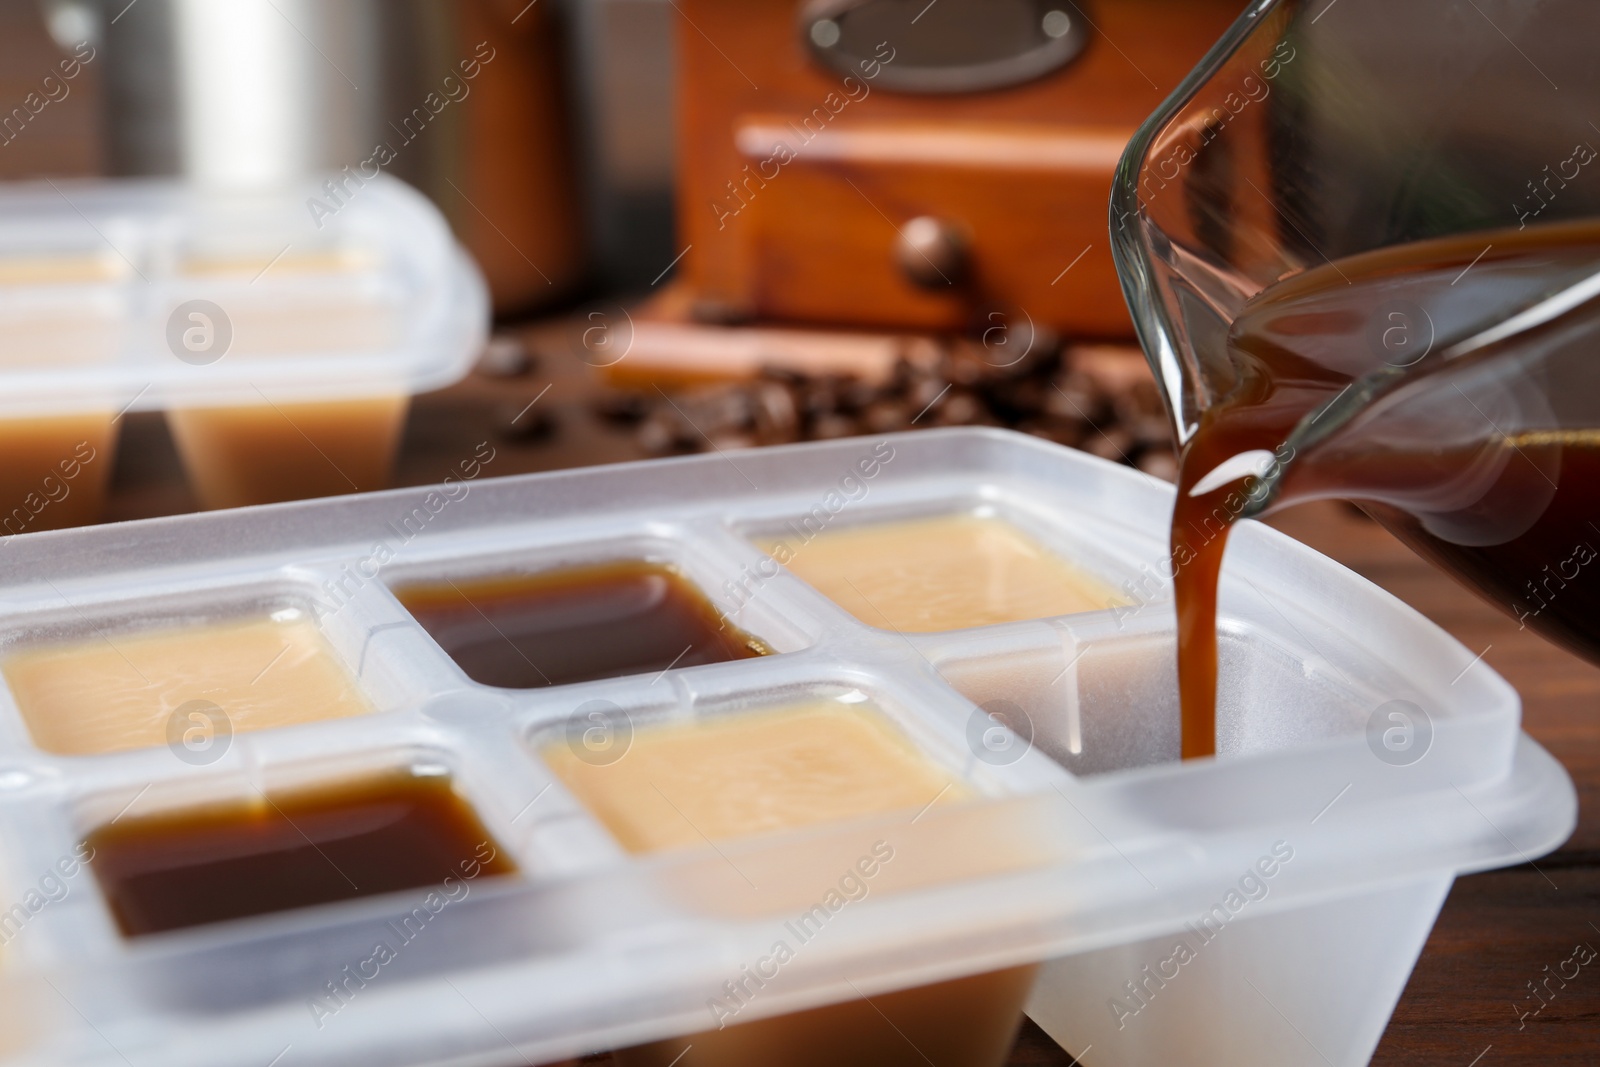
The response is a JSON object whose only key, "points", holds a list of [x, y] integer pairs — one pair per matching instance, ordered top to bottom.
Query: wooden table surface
{"points": [[1498, 931]]}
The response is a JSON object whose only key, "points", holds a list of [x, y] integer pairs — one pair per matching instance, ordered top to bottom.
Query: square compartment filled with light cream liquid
{"points": [[58, 311], [276, 447], [935, 573], [178, 682], [696, 784]]}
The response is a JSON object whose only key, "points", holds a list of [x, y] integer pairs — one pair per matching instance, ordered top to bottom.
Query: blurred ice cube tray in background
{"points": [[282, 336], [1300, 871]]}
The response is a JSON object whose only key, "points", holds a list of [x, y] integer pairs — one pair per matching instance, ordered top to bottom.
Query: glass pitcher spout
{"points": [[1315, 131], [1361, 245]]}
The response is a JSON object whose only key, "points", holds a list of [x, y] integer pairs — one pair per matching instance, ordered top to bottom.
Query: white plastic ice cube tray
{"points": [[99, 279], [1092, 849]]}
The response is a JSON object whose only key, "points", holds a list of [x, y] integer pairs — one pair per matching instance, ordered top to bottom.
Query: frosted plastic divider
{"points": [[761, 587]]}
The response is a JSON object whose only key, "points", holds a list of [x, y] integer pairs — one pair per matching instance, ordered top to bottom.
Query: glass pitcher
{"points": [[1459, 404]]}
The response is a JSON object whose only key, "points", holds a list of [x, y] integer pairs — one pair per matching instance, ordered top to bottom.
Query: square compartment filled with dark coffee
{"points": [[575, 624], [264, 853]]}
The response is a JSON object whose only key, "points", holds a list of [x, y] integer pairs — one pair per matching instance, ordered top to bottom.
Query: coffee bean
{"points": [[505, 356], [951, 382], [924, 392], [1075, 396], [621, 408], [959, 409], [885, 416], [777, 419], [516, 421], [828, 427], [1151, 430], [1061, 431], [664, 434], [729, 442], [1111, 442], [1159, 463]]}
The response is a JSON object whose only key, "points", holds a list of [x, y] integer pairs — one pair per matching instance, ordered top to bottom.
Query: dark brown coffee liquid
{"points": [[1484, 476], [576, 624], [271, 853]]}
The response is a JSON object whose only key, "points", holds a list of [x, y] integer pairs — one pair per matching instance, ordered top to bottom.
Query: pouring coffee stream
{"points": [[1451, 388]]}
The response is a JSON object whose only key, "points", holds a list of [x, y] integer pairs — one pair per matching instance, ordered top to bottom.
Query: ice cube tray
{"points": [[262, 326], [1302, 867]]}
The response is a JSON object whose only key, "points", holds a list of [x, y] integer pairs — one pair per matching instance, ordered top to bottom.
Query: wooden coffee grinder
{"points": [[907, 165]]}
